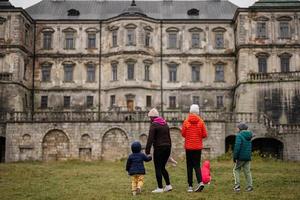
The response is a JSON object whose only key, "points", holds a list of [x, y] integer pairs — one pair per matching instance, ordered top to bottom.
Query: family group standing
{"points": [[193, 131]]}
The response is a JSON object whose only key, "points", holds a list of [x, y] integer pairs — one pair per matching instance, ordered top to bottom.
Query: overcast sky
{"points": [[27, 3]]}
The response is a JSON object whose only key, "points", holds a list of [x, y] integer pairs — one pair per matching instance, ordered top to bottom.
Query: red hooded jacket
{"points": [[193, 130]]}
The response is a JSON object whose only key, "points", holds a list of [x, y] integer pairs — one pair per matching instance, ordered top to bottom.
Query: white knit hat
{"points": [[194, 109], [153, 113]]}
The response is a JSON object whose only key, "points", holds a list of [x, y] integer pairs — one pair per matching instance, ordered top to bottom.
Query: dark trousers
{"points": [[161, 156], [193, 159]]}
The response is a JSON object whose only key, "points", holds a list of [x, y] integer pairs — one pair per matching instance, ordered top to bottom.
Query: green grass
{"points": [[104, 180]]}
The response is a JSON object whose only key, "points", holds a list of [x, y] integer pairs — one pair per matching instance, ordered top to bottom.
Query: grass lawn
{"points": [[104, 180]]}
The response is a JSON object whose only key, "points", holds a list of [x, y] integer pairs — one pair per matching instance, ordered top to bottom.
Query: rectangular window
{"points": [[261, 30], [284, 30], [26, 37], [130, 37], [114, 38], [147, 39], [92, 40], [172, 40], [195, 40], [219, 40], [69, 41], [47, 43], [285, 64], [262, 65], [114, 71], [130, 71], [68, 72], [147, 72], [46, 73], [90, 73], [172, 73], [195, 73], [219, 73], [112, 100], [196, 100], [67, 101], [89, 101], [149, 101], [44, 102], [172, 102], [220, 102]]}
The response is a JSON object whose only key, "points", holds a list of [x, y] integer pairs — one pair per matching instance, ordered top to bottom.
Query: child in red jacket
{"points": [[205, 170]]}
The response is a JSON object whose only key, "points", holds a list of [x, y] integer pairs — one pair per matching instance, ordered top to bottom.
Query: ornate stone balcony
{"points": [[274, 76]]}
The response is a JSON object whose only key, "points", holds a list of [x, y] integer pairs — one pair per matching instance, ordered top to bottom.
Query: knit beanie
{"points": [[194, 109], [153, 113], [242, 126]]}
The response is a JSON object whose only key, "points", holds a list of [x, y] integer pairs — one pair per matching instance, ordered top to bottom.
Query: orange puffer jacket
{"points": [[193, 130]]}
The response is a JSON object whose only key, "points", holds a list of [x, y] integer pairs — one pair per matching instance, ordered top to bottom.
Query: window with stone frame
{"points": [[2, 28], [261, 29], [284, 29], [114, 34], [26, 36], [130, 37], [147, 38], [47, 40], [70, 40], [173, 40], [196, 40], [219, 40], [91, 43], [285, 62], [26, 63], [262, 64], [114, 71], [130, 71], [46, 72], [68, 72], [91, 72], [147, 72], [172, 72], [195, 72], [219, 72], [112, 100], [196, 100], [67, 101], [89, 101], [148, 101], [44, 102], [172, 102], [220, 103]]}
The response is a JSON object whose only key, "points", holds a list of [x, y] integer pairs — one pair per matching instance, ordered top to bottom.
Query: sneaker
{"points": [[199, 187], [168, 188], [236, 188], [190, 189], [249, 189], [138, 190], [158, 190]]}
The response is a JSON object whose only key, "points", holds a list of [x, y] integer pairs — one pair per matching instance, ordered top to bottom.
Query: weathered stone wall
{"points": [[94, 141]]}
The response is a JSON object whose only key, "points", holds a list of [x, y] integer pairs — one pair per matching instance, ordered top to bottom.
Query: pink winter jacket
{"points": [[205, 170]]}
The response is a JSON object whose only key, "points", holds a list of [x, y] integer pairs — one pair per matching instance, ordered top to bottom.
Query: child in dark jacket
{"points": [[135, 167]]}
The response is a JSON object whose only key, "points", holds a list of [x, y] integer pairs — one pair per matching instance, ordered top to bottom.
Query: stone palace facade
{"points": [[78, 77]]}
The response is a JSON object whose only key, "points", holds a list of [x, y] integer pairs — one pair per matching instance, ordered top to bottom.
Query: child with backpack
{"points": [[135, 167]]}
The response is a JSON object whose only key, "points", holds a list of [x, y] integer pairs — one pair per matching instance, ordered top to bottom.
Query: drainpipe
{"points": [[100, 62], [161, 70], [33, 71]]}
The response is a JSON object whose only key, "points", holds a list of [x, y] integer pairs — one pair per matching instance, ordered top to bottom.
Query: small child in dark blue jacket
{"points": [[135, 167]]}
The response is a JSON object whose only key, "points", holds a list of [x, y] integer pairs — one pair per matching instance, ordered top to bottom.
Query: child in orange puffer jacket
{"points": [[205, 170]]}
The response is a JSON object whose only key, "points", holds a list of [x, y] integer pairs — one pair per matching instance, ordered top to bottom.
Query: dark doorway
{"points": [[229, 143], [268, 147], [2, 149]]}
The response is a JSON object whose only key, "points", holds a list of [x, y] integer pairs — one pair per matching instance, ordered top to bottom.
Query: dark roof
{"points": [[5, 4], [276, 4], [104, 9]]}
